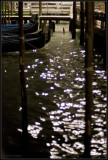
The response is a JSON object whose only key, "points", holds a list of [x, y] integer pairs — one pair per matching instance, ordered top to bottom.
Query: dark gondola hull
{"points": [[27, 29], [30, 43]]}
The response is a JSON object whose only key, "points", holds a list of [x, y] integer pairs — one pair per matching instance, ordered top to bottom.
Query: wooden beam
{"points": [[74, 21], [82, 23], [88, 77], [22, 81]]}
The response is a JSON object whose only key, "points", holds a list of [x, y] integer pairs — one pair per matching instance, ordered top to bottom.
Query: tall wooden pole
{"points": [[11, 8], [40, 8], [2, 13], [5, 13], [8, 13], [40, 13], [74, 21], [82, 23], [106, 35], [88, 76], [22, 80]]}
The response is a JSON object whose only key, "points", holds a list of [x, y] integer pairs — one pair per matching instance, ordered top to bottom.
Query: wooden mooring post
{"points": [[11, 8], [40, 8], [5, 13], [8, 13], [40, 13], [3, 19], [74, 21], [82, 23], [88, 77], [22, 80]]}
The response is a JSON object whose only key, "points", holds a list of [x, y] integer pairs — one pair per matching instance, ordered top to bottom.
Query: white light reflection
{"points": [[71, 40], [34, 50], [82, 51], [36, 60], [51, 60], [41, 62], [34, 65], [28, 66], [59, 66], [46, 69], [25, 70], [72, 71], [99, 71], [43, 75], [61, 75], [105, 78], [80, 79], [94, 83], [27, 85], [57, 85], [78, 86], [51, 88], [68, 90], [97, 91], [37, 93], [44, 94], [71, 96], [105, 99], [82, 102], [62, 104], [76, 105], [20, 108], [43, 108], [97, 110], [103, 111], [56, 112], [80, 115], [51, 117], [42, 119], [99, 120], [37, 123], [77, 124], [20, 130], [34, 130], [76, 132], [100, 134], [66, 138], [98, 141], [48, 144], [78, 145], [68, 149], [54, 152], [94, 152]]}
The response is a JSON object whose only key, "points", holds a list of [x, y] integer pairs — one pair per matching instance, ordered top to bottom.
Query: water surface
{"points": [[55, 83]]}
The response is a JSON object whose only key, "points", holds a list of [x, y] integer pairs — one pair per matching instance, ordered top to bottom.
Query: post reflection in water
{"points": [[55, 79]]}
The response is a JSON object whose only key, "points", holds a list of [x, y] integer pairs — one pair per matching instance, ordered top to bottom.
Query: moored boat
{"points": [[14, 28], [34, 40]]}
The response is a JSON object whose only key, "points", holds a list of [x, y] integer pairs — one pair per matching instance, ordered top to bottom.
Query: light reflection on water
{"points": [[55, 78]]}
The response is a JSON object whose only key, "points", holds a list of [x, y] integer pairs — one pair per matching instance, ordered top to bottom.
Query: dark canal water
{"points": [[55, 82]]}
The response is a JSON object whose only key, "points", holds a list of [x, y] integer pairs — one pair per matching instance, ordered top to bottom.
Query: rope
{"points": [[31, 45]]}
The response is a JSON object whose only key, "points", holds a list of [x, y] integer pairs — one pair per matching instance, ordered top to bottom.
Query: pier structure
{"points": [[52, 11]]}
